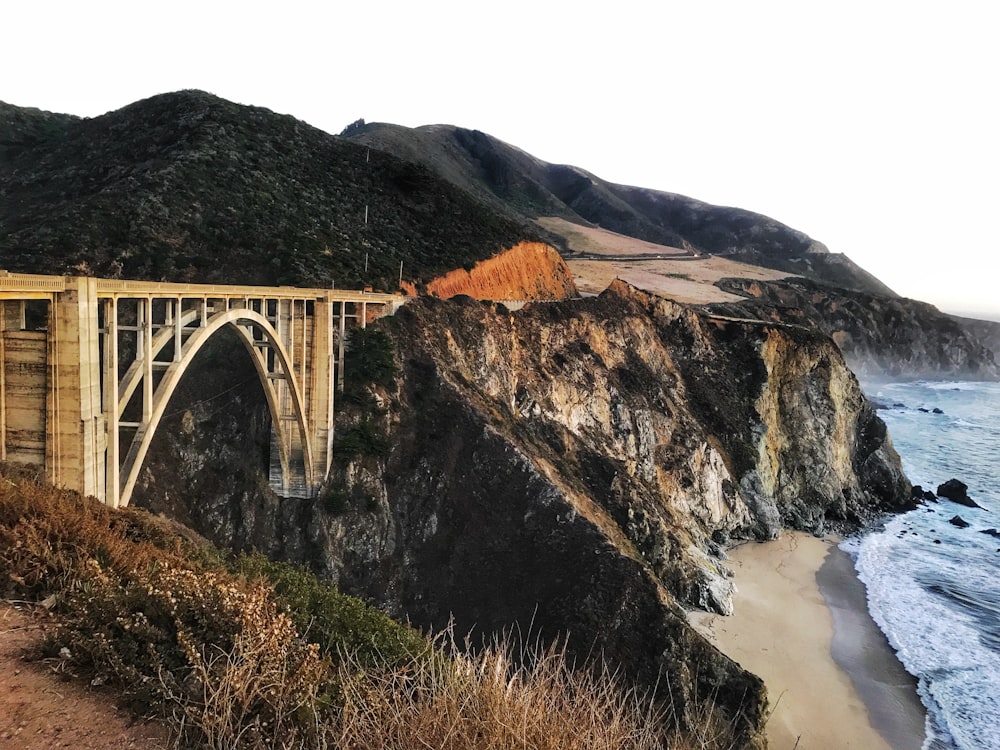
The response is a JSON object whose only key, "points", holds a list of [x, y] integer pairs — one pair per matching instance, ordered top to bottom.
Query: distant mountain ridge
{"points": [[187, 186], [525, 186]]}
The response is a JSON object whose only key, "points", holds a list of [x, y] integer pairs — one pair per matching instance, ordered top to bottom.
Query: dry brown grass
{"points": [[221, 661], [499, 698], [491, 702]]}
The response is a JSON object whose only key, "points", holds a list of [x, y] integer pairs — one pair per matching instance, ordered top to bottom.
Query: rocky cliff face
{"points": [[986, 332], [879, 336], [578, 468]]}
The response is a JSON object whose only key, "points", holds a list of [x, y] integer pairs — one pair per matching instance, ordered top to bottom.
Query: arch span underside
{"points": [[295, 451]]}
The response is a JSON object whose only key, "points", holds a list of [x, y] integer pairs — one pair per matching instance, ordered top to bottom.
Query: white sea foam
{"points": [[934, 588]]}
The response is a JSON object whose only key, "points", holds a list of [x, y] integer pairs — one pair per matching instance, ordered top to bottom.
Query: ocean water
{"points": [[933, 588]]}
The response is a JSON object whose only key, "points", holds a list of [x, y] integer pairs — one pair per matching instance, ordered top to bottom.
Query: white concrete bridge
{"points": [[89, 366]]}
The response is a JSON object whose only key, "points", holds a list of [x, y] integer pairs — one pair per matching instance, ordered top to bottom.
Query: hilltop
{"points": [[190, 187]]}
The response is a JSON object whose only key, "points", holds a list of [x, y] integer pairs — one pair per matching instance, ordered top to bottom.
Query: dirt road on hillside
{"points": [[42, 707]]}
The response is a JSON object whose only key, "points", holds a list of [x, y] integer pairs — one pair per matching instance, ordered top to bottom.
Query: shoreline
{"points": [[801, 623], [862, 650]]}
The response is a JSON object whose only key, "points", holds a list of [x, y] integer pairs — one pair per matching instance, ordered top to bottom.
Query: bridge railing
{"points": [[22, 283]]}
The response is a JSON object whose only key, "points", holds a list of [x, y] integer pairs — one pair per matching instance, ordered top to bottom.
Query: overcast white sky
{"points": [[871, 126]]}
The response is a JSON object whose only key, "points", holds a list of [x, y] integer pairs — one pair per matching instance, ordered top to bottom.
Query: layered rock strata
{"points": [[578, 467]]}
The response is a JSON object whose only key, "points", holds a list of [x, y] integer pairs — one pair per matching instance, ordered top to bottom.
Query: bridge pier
{"points": [[67, 406], [76, 436]]}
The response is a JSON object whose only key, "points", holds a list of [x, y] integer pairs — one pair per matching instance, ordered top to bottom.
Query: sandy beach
{"points": [[801, 623]]}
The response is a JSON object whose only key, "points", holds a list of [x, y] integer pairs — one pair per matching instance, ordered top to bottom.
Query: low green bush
{"points": [[339, 623]]}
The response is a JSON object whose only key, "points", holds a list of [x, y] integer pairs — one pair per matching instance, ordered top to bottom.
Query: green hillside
{"points": [[190, 187]]}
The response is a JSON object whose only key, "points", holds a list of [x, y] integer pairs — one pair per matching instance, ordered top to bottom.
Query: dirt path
{"points": [[40, 708]]}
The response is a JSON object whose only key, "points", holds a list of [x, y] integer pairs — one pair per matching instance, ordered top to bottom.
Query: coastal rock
{"points": [[957, 492], [918, 494], [959, 522], [991, 532]]}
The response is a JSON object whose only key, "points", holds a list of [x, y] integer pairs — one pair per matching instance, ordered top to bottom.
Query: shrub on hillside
{"points": [[369, 358], [340, 624]]}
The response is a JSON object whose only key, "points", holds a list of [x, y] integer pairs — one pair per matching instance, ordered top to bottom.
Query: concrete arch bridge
{"points": [[89, 366]]}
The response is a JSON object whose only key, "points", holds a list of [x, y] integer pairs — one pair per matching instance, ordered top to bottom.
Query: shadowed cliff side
{"points": [[985, 331], [575, 467]]}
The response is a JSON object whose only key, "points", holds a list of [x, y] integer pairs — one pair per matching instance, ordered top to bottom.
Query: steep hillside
{"points": [[22, 128], [521, 184], [190, 187], [879, 336]]}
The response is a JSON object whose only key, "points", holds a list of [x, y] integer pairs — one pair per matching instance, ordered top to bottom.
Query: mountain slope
{"points": [[190, 187]]}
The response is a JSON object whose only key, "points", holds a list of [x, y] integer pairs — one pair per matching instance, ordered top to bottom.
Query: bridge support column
{"points": [[321, 390], [76, 445]]}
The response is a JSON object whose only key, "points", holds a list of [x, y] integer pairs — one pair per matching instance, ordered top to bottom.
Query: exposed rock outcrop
{"points": [[985, 331], [879, 335], [573, 466], [957, 492]]}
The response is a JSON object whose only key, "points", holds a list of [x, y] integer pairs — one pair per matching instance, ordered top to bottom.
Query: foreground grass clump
{"points": [[246, 653], [493, 700]]}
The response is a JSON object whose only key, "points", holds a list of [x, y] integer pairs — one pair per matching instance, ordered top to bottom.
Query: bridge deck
{"points": [[18, 285]]}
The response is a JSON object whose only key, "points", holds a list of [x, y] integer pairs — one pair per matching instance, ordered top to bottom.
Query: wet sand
{"points": [[802, 624]]}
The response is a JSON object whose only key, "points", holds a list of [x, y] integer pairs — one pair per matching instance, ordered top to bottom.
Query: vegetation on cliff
{"points": [[241, 653]]}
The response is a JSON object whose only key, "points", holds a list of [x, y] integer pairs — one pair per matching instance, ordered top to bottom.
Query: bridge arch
{"points": [[245, 321], [76, 406]]}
